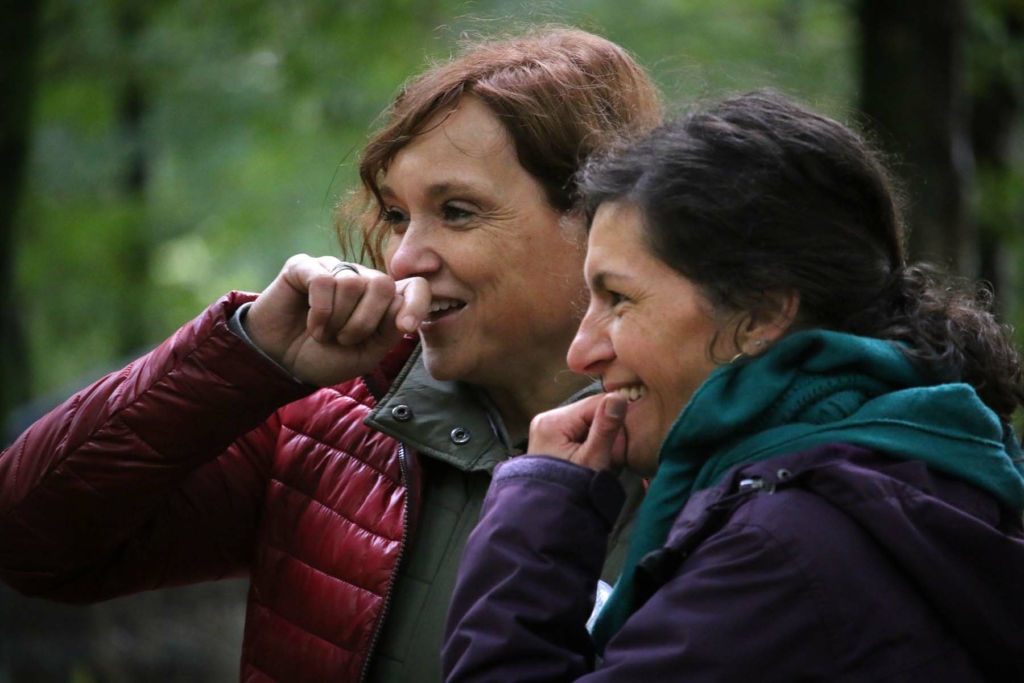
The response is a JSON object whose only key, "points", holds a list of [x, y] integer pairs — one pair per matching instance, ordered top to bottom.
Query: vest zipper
{"points": [[406, 474]]}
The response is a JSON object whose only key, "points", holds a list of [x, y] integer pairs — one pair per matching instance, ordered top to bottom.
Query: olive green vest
{"points": [[460, 438]]}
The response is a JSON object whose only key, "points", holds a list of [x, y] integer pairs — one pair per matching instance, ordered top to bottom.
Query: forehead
{"points": [[465, 143], [616, 234]]}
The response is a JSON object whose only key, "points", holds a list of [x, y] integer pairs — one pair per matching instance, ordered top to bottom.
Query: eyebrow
{"points": [[435, 190], [600, 279]]}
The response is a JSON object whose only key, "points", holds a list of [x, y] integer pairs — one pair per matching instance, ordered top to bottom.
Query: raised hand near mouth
{"points": [[327, 321], [589, 432]]}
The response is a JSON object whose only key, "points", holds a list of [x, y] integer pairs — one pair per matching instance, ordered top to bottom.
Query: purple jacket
{"points": [[833, 564]]}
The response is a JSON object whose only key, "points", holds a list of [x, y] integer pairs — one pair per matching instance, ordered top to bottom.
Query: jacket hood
{"points": [[819, 387]]}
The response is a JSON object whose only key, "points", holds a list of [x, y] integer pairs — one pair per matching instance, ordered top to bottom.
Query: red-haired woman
{"points": [[333, 437]]}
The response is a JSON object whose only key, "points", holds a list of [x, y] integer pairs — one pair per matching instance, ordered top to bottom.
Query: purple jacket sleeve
{"points": [[529, 574]]}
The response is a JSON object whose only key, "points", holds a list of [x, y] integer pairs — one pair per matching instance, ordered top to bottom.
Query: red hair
{"points": [[560, 93]]}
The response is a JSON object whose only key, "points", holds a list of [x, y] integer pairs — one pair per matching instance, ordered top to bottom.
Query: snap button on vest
{"points": [[401, 413], [460, 435]]}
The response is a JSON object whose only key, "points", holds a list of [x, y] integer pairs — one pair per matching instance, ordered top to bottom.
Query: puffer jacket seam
{"points": [[118, 392], [370, 403], [115, 415], [341, 451], [21, 454], [63, 462], [67, 467], [17, 469], [336, 512], [327, 574], [319, 637]]}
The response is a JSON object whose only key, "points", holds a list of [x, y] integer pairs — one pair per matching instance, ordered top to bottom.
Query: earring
{"points": [[762, 342], [736, 357]]}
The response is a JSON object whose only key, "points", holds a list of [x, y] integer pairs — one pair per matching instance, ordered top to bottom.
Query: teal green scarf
{"points": [[811, 389]]}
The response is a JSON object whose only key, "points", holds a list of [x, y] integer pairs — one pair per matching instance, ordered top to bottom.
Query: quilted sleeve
{"points": [[151, 477]]}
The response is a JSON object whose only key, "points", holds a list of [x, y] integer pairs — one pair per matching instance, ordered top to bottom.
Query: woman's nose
{"points": [[413, 253], [591, 349]]}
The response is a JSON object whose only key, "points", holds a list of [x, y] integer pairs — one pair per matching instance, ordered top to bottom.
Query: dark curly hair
{"points": [[757, 193]]}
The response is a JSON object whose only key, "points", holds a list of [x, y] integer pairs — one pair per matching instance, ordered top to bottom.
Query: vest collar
{"points": [[453, 422]]}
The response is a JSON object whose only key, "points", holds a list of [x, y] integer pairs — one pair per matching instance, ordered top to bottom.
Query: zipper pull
{"points": [[755, 485]]}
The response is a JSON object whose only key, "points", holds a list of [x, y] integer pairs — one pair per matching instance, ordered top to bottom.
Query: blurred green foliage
{"points": [[252, 115], [248, 118]]}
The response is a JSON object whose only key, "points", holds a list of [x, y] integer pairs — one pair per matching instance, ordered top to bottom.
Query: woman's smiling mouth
{"points": [[440, 308], [631, 393]]}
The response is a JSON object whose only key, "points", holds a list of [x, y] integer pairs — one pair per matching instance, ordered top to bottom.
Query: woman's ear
{"points": [[769, 322]]}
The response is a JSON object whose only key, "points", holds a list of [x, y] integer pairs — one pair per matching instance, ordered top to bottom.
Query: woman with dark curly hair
{"points": [[836, 492]]}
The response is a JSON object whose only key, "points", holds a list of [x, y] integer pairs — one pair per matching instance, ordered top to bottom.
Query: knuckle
{"points": [[296, 261], [321, 278], [379, 284], [349, 287], [321, 288], [320, 308], [542, 421]]}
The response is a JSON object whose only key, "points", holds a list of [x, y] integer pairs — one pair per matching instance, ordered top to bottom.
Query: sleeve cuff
{"points": [[236, 327], [601, 488]]}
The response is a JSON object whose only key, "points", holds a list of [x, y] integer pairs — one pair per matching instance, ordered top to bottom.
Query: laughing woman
{"points": [[332, 438], [836, 492]]}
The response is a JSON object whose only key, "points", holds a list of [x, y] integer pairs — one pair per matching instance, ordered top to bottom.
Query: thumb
{"points": [[596, 451]]}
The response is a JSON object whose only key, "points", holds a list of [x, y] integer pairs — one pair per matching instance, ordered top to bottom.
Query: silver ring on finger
{"points": [[344, 266]]}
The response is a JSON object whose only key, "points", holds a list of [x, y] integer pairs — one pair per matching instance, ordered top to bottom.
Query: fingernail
{"points": [[407, 323], [615, 407]]}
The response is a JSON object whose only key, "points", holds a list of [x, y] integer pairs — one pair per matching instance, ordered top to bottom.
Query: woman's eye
{"points": [[453, 213], [394, 218], [615, 298]]}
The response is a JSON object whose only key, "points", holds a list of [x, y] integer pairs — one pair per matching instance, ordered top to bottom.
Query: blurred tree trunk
{"points": [[18, 33], [17, 48], [912, 89], [997, 119], [134, 256]]}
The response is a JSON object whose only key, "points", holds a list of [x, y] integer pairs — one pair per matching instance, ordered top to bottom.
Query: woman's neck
{"points": [[517, 406]]}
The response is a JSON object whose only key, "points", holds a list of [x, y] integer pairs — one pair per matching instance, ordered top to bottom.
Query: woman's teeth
{"points": [[439, 305], [632, 393]]}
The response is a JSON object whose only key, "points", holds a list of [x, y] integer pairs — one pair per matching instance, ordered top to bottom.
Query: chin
{"points": [[442, 366], [642, 456], [645, 467]]}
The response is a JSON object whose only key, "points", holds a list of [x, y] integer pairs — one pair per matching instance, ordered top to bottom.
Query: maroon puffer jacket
{"points": [[184, 467]]}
